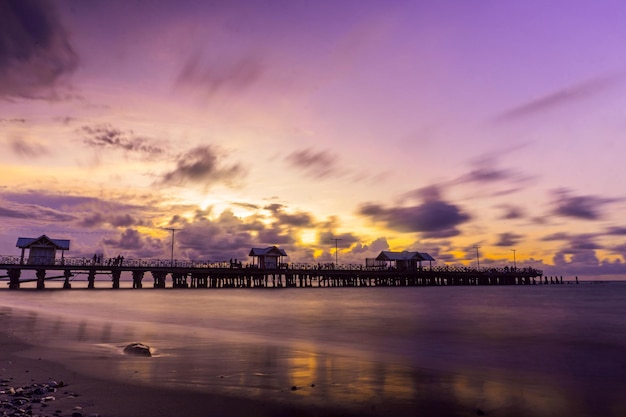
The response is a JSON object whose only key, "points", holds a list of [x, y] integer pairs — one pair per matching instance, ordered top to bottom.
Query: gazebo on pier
{"points": [[41, 250], [267, 258], [404, 261]]}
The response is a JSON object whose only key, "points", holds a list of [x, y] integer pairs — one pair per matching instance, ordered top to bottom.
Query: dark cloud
{"points": [[35, 52], [207, 79], [560, 98], [107, 137], [22, 147], [317, 164], [201, 165], [487, 175], [491, 180], [249, 206], [274, 207], [587, 207], [10, 209], [79, 211], [511, 212], [99, 217], [432, 218], [295, 219], [298, 219], [616, 230], [556, 236], [219, 239], [508, 239], [344, 240], [131, 242], [583, 243], [373, 248], [583, 261]]}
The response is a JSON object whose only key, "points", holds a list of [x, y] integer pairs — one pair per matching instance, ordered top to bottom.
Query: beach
{"points": [[434, 352], [86, 392]]}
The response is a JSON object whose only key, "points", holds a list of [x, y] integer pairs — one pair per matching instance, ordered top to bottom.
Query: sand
{"points": [[24, 364], [89, 391]]}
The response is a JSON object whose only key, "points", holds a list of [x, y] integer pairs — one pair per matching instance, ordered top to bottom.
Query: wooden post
{"points": [[116, 274], [41, 276], [137, 277], [14, 278], [91, 278], [66, 285]]}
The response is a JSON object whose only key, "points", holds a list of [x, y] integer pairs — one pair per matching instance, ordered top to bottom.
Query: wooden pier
{"points": [[193, 274]]}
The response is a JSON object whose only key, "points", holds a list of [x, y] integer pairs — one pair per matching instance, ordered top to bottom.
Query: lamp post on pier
{"points": [[173, 230], [336, 251], [477, 257], [514, 261]]}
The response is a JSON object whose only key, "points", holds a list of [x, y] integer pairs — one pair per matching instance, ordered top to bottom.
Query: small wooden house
{"points": [[42, 250], [267, 258], [403, 260]]}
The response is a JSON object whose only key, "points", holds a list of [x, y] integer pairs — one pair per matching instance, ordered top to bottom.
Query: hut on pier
{"points": [[42, 250], [267, 258], [403, 261]]}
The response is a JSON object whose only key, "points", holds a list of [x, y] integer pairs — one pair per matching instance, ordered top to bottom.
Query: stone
{"points": [[138, 349]]}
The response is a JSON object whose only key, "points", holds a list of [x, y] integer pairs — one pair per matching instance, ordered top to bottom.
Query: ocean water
{"points": [[523, 350]]}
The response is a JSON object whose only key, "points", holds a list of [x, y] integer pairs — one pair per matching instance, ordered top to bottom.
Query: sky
{"points": [[477, 131]]}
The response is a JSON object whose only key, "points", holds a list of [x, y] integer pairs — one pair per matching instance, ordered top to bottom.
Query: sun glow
{"points": [[308, 236]]}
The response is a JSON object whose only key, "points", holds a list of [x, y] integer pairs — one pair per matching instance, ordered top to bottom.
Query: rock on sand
{"points": [[138, 349]]}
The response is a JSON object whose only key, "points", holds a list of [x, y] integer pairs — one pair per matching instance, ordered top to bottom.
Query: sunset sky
{"points": [[432, 126]]}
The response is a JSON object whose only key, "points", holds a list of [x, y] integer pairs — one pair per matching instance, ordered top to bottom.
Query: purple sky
{"points": [[434, 126]]}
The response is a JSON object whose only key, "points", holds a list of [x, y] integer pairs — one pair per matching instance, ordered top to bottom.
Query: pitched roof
{"points": [[27, 242], [271, 250], [404, 256], [426, 256]]}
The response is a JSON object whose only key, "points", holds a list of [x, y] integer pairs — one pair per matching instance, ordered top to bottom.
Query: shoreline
{"points": [[203, 369], [84, 390], [90, 395]]}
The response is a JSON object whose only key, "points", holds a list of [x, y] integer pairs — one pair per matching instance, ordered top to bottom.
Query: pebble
{"points": [[30, 400]]}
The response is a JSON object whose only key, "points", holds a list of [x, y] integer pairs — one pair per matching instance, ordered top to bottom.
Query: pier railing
{"points": [[43, 262]]}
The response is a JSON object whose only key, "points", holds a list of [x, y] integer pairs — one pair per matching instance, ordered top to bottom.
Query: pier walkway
{"points": [[197, 274]]}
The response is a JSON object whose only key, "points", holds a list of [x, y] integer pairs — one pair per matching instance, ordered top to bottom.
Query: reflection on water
{"points": [[508, 351]]}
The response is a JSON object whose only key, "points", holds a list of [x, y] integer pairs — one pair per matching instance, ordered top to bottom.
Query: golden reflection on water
{"points": [[256, 369], [343, 378], [490, 393]]}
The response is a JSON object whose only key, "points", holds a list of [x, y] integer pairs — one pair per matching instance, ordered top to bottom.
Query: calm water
{"points": [[545, 350]]}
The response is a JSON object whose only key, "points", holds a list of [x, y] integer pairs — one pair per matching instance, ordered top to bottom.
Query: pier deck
{"points": [[193, 274]]}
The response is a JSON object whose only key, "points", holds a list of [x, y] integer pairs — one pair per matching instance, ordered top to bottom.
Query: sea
{"points": [[540, 350]]}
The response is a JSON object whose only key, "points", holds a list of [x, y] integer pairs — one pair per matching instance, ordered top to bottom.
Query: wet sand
{"points": [[107, 383], [87, 391]]}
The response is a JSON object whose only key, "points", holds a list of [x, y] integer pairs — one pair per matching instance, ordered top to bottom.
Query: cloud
{"points": [[35, 52], [207, 79], [559, 98], [107, 137], [23, 147], [319, 164], [201, 165], [485, 172], [587, 207], [13, 210], [511, 212], [106, 217], [433, 218], [298, 219], [616, 231], [556, 236], [508, 239], [138, 245], [375, 247]]}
